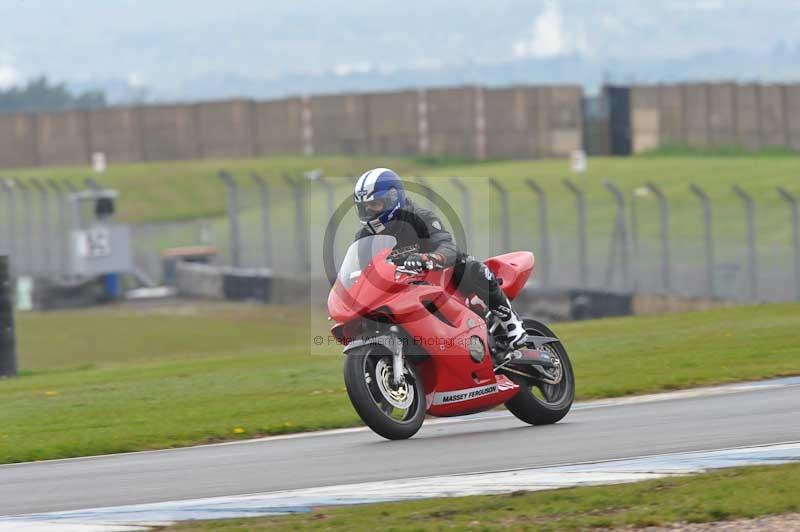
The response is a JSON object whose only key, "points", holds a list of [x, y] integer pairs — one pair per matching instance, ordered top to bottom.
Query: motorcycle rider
{"points": [[383, 208]]}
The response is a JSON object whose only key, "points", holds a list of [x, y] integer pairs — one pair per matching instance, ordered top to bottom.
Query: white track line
{"points": [[121, 518]]}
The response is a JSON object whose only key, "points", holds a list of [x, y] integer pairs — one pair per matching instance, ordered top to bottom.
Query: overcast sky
{"points": [[163, 43]]}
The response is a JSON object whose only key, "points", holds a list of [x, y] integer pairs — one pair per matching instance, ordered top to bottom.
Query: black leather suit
{"points": [[420, 230]]}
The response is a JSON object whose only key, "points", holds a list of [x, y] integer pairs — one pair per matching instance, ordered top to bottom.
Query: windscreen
{"points": [[360, 254]]}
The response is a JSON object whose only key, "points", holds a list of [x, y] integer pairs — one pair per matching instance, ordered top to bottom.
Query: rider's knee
{"points": [[480, 275]]}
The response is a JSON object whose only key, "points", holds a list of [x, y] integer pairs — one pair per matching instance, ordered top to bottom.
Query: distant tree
{"points": [[41, 95]]}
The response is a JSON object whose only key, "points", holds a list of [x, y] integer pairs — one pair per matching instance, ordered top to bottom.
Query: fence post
{"points": [[93, 184], [8, 185], [70, 186], [330, 196], [44, 200], [792, 201], [467, 210], [75, 211], [504, 214], [233, 217], [3, 219], [63, 224], [300, 224], [27, 225], [266, 229], [544, 230], [709, 237], [620, 238], [635, 239], [752, 254], [666, 257], [583, 266], [8, 342]]}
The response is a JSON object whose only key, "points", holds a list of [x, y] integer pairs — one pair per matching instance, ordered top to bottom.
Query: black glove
{"points": [[424, 261]]}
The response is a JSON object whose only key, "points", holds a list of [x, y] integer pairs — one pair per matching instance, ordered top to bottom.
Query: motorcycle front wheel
{"points": [[394, 411]]}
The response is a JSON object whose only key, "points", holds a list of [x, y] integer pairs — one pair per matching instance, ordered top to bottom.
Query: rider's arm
{"points": [[441, 241]]}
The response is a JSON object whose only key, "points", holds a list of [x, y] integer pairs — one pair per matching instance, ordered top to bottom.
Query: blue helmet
{"points": [[378, 196]]}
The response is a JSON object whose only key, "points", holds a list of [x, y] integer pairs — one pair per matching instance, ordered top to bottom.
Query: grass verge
{"points": [[181, 190], [114, 380], [722, 495]]}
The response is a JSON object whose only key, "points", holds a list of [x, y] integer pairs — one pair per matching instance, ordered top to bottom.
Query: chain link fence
{"points": [[608, 239], [652, 239]]}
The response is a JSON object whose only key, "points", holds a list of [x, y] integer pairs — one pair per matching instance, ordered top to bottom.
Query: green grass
{"points": [[682, 150], [190, 189], [180, 190], [123, 379], [724, 495]]}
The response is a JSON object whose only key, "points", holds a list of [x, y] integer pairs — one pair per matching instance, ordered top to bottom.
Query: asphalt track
{"points": [[744, 415]]}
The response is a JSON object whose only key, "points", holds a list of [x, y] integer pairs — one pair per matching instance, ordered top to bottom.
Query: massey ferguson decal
{"points": [[456, 396]]}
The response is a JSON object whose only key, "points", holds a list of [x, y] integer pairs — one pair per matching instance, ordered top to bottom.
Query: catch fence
{"points": [[669, 238], [687, 242]]}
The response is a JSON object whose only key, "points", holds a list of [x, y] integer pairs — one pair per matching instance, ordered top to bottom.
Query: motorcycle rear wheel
{"points": [[538, 403], [395, 412]]}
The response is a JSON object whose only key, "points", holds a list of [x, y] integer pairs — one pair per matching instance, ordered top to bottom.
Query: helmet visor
{"points": [[369, 210]]}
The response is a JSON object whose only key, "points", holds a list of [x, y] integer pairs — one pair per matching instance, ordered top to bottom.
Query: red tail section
{"points": [[513, 269]]}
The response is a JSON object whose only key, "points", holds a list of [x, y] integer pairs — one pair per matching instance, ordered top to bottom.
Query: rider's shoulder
{"points": [[421, 213]]}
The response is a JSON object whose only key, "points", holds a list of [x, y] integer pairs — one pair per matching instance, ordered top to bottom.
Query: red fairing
{"points": [[514, 269], [369, 291], [438, 320]]}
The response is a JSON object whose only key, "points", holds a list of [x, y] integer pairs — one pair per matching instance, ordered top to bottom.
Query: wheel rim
{"points": [[555, 391], [397, 401]]}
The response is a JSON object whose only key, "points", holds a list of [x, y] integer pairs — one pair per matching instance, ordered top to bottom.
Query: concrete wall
{"points": [[696, 114], [793, 114], [702, 115], [721, 115], [773, 116], [510, 118], [564, 119], [645, 119], [393, 122], [451, 122], [469, 122], [340, 124], [671, 126], [279, 127], [225, 129], [748, 130], [117, 132], [170, 132], [63, 138], [18, 140]]}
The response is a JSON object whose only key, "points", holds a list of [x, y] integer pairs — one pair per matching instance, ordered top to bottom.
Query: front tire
{"points": [[538, 403], [395, 412]]}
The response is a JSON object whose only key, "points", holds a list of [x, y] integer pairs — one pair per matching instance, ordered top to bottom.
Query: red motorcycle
{"points": [[415, 345]]}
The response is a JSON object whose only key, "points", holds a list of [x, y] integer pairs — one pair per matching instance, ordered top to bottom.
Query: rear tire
{"points": [[370, 400], [556, 400]]}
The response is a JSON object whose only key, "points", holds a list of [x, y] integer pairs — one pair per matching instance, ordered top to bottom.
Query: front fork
{"points": [[394, 343], [398, 367]]}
